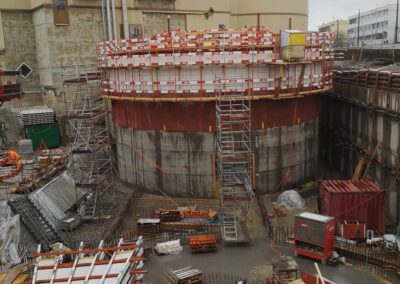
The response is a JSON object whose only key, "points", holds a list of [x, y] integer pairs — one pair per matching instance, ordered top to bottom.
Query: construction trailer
{"points": [[314, 235]]}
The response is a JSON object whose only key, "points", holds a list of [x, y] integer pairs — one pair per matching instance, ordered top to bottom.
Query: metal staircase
{"points": [[233, 110], [234, 141], [35, 222], [229, 228]]}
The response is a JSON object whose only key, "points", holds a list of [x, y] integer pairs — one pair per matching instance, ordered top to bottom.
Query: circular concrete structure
{"points": [[164, 92], [177, 137]]}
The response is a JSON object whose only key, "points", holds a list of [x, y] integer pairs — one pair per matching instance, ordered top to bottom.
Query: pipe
{"points": [[114, 19], [125, 19], [104, 20], [109, 20], [169, 24]]}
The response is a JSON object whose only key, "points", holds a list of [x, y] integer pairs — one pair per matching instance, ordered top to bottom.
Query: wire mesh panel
{"points": [[89, 140]]}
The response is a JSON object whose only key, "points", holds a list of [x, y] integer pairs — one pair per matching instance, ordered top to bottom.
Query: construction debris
{"points": [[9, 236]]}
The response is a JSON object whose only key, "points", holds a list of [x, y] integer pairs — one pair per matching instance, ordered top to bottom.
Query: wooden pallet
{"points": [[203, 244], [186, 275]]}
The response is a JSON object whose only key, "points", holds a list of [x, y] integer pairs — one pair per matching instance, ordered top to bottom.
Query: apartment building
{"points": [[373, 27]]}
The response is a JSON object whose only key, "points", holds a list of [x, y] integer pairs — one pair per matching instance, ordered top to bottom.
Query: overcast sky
{"points": [[323, 11]]}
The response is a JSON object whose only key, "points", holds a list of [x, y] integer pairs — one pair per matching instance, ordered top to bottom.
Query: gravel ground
{"points": [[91, 233]]}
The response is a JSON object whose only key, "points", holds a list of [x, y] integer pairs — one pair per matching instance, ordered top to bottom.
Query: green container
{"points": [[48, 132]]}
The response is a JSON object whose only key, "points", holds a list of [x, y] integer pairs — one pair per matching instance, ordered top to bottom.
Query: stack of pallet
{"points": [[203, 244], [186, 275]]}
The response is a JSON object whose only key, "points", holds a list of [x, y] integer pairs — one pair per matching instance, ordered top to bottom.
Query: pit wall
{"points": [[348, 127], [184, 148]]}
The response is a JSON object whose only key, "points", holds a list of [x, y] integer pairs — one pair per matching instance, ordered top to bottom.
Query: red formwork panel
{"points": [[360, 200], [352, 230], [314, 235], [311, 279]]}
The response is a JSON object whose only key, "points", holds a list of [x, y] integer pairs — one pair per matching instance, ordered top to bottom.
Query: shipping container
{"points": [[360, 200]]}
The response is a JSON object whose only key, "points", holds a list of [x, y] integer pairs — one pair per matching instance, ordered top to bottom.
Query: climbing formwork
{"points": [[89, 140], [121, 264]]}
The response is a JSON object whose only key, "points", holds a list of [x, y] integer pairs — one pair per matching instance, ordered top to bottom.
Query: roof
{"points": [[350, 186], [315, 217], [148, 221]]}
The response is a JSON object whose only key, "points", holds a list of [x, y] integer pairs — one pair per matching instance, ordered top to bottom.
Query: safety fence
{"points": [[153, 68], [147, 205], [229, 279]]}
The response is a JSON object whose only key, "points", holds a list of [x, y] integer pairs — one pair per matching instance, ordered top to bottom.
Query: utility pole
{"points": [[397, 22], [358, 28], [337, 32]]}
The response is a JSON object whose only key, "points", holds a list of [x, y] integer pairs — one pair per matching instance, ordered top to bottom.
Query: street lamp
{"points": [[144, 17], [169, 24]]}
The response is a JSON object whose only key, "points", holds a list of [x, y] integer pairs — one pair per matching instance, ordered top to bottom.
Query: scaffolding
{"points": [[89, 140], [234, 141]]}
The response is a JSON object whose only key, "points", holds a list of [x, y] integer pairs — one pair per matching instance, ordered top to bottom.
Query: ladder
{"points": [[229, 228]]}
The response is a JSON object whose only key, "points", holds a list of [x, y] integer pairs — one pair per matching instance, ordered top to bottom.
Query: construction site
{"points": [[183, 141]]}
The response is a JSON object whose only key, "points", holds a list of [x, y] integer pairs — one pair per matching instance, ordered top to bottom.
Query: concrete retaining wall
{"points": [[364, 128], [187, 157]]}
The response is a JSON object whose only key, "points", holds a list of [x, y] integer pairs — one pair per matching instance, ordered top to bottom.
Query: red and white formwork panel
{"points": [[193, 64], [115, 265]]}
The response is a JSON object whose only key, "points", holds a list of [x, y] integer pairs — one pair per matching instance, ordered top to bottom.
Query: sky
{"points": [[325, 11]]}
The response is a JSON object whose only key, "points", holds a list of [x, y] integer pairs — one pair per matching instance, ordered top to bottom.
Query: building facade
{"points": [[339, 28], [373, 28]]}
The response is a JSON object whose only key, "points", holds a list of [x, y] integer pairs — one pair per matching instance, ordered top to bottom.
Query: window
{"points": [[60, 12], [353, 21], [134, 30]]}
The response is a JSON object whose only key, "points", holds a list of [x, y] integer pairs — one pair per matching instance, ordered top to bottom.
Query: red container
{"points": [[360, 200], [353, 230], [314, 235]]}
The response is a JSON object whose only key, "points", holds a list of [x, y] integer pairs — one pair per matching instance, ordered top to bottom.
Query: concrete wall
{"points": [[19, 35], [32, 37], [364, 129], [187, 157]]}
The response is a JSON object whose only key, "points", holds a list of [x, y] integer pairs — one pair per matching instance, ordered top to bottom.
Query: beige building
{"points": [[338, 27], [51, 34]]}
